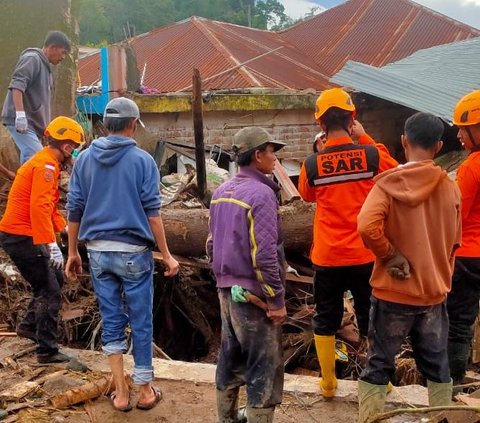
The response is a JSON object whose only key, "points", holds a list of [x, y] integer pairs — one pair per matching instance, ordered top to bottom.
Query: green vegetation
{"points": [[111, 21]]}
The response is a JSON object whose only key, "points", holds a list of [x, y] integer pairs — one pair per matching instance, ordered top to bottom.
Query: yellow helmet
{"points": [[334, 97], [467, 110], [63, 128]]}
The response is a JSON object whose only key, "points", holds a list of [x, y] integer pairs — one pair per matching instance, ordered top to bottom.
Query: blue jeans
{"points": [[27, 143], [123, 283], [390, 323]]}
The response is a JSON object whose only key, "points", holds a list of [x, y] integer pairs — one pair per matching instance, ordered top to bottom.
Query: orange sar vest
{"points": [[338, 179], [32, 201]]}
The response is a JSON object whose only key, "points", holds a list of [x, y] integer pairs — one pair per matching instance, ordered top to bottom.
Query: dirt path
{"points": [[186, 402]]}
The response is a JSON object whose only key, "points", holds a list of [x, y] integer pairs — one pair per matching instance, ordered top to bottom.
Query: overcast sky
{"points": [[467, 11]]}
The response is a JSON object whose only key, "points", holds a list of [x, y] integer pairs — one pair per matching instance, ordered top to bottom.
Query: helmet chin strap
{"points": [[476, 146]]}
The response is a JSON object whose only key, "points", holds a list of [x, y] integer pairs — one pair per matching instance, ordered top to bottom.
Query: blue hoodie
{"points": [[114, 189]]}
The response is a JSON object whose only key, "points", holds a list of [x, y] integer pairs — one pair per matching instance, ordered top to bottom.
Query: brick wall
{"points": [[294, 127]]}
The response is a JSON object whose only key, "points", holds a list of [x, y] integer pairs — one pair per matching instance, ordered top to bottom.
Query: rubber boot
{"points": [[365, 345], [325, 346], [458, 355], [439, 394], [371, 400], [227, 406], [260, 415]]}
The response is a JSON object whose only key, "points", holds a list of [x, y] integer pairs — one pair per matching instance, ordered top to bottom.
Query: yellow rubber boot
{"points": [[325, 346]]}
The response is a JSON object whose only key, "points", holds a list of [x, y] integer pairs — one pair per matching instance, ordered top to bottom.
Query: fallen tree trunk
{"points": [[187, 229], [90, 390]]}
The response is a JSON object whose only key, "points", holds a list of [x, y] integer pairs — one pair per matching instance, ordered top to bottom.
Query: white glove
{"points": [[21, 123], [56, 256], [290, 269]]}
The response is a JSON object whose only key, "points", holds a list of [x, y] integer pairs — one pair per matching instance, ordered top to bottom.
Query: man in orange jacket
{"points": [[338, 178], [27, 234], [463, 300]]}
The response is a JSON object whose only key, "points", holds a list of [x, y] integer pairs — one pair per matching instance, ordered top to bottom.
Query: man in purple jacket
{"points": [[244, 246]]}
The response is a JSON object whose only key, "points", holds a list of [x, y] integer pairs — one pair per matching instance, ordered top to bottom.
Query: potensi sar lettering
{"points": [[341, 162]]}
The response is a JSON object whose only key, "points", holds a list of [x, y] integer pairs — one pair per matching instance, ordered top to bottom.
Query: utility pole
{"points": [[249, 15], [197, 112]]}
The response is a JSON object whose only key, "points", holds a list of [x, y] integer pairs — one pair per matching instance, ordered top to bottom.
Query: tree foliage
{"points": [[110, 21]]}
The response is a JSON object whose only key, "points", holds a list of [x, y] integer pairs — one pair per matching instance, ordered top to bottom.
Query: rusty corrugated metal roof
{"points": [[374, 32], [170, 53]]}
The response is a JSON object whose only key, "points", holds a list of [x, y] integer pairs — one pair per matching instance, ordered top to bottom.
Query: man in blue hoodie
{"points": [[26, 110], [114, 206]]}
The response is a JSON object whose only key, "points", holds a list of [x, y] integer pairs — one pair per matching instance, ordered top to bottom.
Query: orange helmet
{"points": [[335, 97], [467, 110], [63, 128]]}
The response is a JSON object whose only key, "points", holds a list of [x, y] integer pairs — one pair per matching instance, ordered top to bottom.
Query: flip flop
{"points": [[151, 404], [125, 409]]}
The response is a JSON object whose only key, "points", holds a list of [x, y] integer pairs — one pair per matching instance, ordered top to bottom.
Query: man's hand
{"points": [[21, 123], [357, 130], [56, 256], [172, 266], [73, 267], [398, 267], [277, 316]]}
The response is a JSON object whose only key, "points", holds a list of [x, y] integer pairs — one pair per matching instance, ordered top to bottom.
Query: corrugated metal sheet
{"points": [[374, 32], [170, 54], [431, 80]]}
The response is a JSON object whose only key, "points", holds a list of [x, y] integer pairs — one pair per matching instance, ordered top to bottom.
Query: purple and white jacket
{"points": [[244, 243]]}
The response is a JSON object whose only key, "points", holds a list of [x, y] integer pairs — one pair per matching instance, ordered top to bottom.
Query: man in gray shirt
{"points": [[26, 110]]}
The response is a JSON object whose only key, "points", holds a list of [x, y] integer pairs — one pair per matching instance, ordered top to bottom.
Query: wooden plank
{"points": [[288, 187], [183, 261], [291, 277], [18, 391]]}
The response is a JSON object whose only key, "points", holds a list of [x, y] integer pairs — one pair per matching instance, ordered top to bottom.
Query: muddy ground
{"points": [[183, 402]]}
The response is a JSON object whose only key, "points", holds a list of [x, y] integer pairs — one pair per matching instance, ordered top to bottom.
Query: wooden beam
{"points": [[197, 111]]}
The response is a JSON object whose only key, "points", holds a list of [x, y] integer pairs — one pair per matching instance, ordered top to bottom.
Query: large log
{"points": [[187, 230]]}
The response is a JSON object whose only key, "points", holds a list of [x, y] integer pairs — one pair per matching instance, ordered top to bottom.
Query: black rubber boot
{"points": [[458, 356]]}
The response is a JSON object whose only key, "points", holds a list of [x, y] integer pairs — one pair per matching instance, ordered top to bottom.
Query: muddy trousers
{"points": [[32, 262], [462, 306], [390, 323], [250, 353]]}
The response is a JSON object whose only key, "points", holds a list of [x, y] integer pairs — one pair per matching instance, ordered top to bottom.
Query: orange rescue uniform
{"points": [[338, 179], [468, 180], [32, 201]]}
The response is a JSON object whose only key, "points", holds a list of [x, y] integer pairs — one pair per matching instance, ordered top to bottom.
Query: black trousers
{"points": [[32, 262], [329, 287], [462, 301]]}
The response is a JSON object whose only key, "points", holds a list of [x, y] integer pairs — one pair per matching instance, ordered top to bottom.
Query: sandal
{"points": [[153, 403], [125, 409]]}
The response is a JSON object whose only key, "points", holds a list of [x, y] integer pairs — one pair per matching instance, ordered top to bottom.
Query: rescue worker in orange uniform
{"points": [[338, 178], [27, 234], [462, 302]]}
